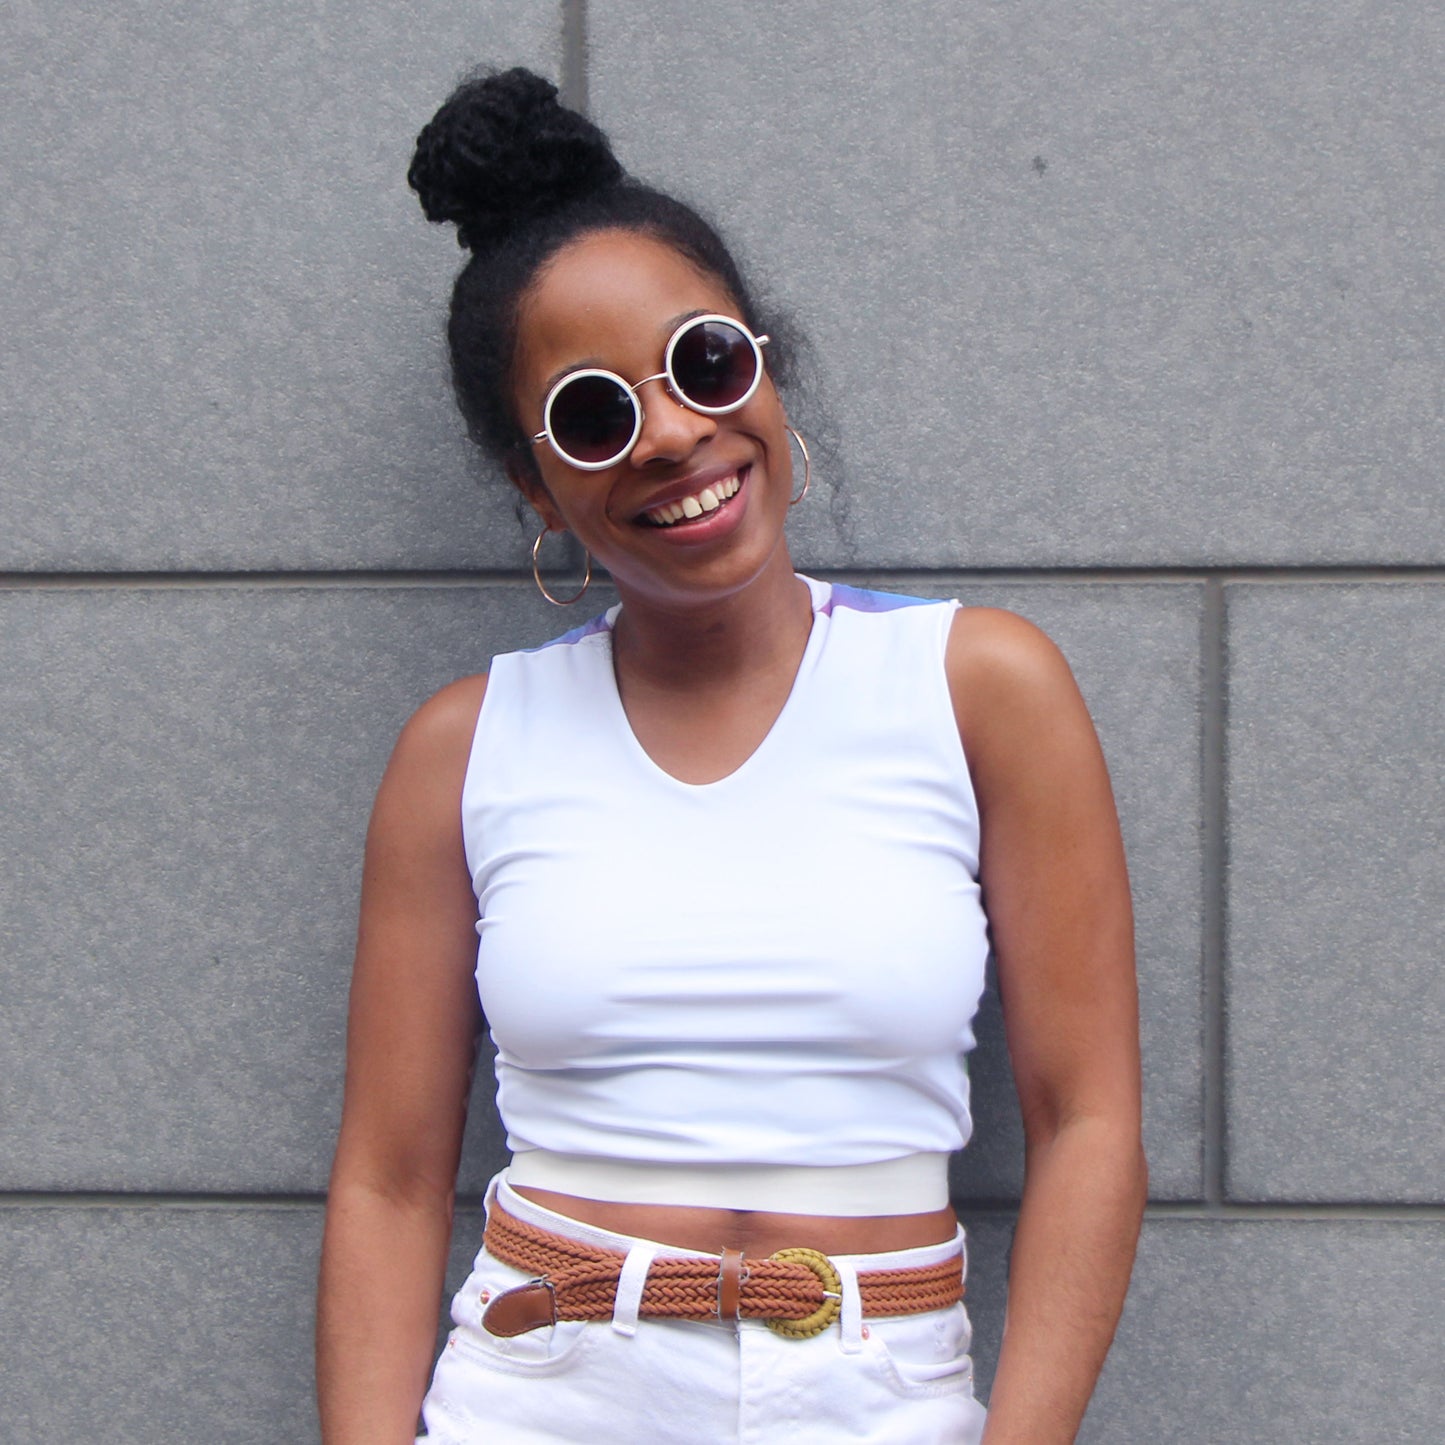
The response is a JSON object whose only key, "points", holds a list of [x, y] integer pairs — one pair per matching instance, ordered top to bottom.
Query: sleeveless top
{"points": [[778, 968]]}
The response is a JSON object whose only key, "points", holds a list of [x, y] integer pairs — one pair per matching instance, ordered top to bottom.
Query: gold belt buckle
{"points": [[827, 1312]]}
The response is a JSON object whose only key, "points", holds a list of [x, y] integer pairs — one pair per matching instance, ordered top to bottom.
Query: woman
{"points": [[728, 850]]}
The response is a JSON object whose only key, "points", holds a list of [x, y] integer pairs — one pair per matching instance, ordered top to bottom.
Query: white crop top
{"points": [[780, 968]]}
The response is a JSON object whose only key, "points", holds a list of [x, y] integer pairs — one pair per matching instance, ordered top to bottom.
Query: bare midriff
{"points": [[752, 1231]]}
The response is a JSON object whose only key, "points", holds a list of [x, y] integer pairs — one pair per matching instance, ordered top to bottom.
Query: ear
{"points": [[528, 481]]}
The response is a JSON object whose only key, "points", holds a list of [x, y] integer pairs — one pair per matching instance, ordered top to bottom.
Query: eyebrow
{"points": [[594, 363]]}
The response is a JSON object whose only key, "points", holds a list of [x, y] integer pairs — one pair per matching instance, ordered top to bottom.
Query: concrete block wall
{"points": [[1127, 316]]}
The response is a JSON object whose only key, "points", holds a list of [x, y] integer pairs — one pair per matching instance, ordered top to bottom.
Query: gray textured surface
{"points": [[1123, 283], [222, 307], [185, 776], [1337, 887], [157, 1326], [1305, 1332]]}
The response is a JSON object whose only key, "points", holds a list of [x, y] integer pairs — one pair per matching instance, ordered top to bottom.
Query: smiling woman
{"points": [[692, 498], [713, 866]]}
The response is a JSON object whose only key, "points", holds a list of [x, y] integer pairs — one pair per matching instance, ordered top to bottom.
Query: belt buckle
{"points": [[827, 1312]]}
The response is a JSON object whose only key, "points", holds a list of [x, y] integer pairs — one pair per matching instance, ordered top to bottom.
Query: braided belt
{"points": [[796, 1292]]}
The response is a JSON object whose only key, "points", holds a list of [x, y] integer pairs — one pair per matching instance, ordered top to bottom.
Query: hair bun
{"points": [[503, 149]]}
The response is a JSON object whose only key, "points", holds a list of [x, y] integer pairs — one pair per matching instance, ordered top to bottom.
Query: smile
{"points": [[685, 509]]}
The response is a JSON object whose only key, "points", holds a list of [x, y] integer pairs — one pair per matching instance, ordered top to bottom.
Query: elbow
{"points": [[1106, 1146], [395, 1174], [405, 1191]]}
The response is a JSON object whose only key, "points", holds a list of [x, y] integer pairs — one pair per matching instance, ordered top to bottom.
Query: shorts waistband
{"points": [[798, 1292]]}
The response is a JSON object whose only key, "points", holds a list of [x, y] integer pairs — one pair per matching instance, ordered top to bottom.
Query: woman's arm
{"points": [[1057, 895], [411, 1043]]}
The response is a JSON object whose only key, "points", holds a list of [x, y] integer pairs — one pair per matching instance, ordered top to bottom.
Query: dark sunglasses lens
{"points": [[713, 364], [592, 419]]}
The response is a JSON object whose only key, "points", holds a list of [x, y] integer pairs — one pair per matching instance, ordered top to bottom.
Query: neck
{"points": [[718, 640]]}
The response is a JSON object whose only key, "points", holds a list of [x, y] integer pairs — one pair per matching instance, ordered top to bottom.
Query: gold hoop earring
{"points": [[807, 466], [542, 586]]}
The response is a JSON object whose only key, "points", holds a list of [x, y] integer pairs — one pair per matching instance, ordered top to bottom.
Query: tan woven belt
{"points": [[797, 1292]]}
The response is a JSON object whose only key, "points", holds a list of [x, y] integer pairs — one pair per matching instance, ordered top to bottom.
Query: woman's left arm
{"points": [[1057, 896]]}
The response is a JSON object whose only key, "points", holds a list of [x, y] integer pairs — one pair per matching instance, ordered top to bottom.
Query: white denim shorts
{"points": [[904, 1380]]}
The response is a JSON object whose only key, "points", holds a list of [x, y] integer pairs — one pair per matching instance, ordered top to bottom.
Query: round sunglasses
{"points": [[592, 418]]}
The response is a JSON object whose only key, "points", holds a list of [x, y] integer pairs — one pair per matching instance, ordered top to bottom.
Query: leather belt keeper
{"points": [[729, 1284], [796, 1291]]}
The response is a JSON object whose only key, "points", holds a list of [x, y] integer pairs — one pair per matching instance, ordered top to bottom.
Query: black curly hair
{"points": [[520, 175]]}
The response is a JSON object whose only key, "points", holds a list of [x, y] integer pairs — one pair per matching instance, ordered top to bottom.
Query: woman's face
{"points": [[612, 300]]}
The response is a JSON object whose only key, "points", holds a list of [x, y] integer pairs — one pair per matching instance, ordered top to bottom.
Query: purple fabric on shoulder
{"points": [[860, 599], [601, 623]]}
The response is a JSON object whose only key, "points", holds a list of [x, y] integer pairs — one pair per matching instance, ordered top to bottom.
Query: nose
{"points": [[671, 430]]}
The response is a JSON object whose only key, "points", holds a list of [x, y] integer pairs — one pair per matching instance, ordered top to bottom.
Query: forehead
{"points": [[610, 298]]}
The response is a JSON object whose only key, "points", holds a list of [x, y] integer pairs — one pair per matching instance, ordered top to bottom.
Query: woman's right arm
{"points": [[411, 1045]]}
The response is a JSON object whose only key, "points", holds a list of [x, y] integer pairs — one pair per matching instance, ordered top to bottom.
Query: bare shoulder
{"points": [[1000, 666], [1019, 711], [447, 719], [429, 760]]}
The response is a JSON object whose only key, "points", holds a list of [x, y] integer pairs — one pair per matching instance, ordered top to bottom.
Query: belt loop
{"points": [[490, 1198], [730, 1279], [630, 1284], [850, 1316]]}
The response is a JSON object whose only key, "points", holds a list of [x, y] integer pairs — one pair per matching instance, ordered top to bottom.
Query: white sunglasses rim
{"points": [[639, 415]]}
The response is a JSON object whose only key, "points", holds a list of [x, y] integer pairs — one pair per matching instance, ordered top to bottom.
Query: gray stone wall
{"points": [[1128, 316]]}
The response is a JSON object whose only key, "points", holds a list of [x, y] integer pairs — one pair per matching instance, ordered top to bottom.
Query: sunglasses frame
{"points": [[667, 376]]}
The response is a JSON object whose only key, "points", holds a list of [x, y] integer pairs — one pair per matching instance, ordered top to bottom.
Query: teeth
{"points": [[707, 500]]}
